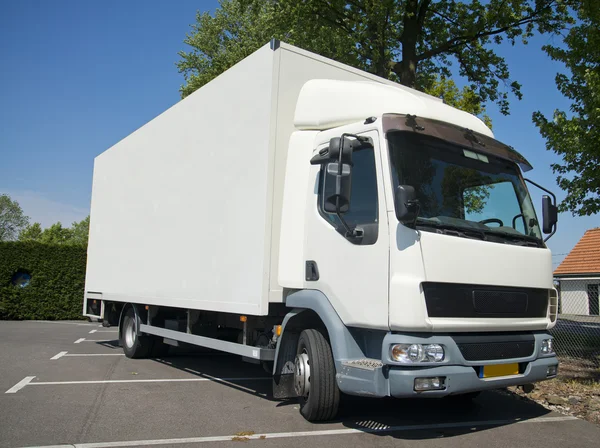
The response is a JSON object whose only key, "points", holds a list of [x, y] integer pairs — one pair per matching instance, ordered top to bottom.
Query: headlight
{"points": [[546, 347], [415, 353]]}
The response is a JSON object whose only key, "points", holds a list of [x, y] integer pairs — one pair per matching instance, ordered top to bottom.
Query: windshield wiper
{"points": [[462, 231], [502, 233]]}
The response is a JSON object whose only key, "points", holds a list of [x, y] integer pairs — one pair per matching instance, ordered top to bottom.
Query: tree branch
{"points": [[423, 10], [339, 18], [449, 45]]}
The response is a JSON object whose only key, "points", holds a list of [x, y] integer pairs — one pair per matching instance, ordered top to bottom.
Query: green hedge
{"points": [[57, 281]]}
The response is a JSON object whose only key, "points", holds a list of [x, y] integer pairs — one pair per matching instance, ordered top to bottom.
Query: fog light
{"points": [[546, 347], [551, 370], [433, 383]]}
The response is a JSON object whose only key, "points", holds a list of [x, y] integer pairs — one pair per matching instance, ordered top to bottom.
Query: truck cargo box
{"points": [[186, 210]]}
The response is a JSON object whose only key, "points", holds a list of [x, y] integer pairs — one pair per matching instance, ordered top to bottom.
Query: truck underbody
{"points": [[361, 361]]}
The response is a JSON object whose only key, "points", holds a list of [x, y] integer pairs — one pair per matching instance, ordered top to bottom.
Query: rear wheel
{"points": [[134, 345], [314, 377]]}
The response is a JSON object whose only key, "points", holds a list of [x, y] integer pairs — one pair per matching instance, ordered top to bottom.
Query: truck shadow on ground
{"points": [[404, 419], [416, 419]]}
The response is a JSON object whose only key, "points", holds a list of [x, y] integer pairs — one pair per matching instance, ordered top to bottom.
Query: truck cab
{"points": [[422, 252]]}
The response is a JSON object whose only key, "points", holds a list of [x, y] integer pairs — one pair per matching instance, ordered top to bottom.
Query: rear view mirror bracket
{"points": [[549, 211]]}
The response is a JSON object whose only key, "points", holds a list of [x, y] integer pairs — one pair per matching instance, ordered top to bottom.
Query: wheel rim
{"points": [[130, 333], [302, 374]]}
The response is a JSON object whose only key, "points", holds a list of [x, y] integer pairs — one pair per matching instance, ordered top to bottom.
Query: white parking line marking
{"points": [[57, 322], [93, 331], [108, 331], [80, 340], [100, 340], [95, 354], [58, 356], [161, 380], [27, 381], [20, 385], [325, 432]]}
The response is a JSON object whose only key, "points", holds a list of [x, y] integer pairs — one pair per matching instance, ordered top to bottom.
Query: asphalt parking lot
{"points": [[68, 384]]}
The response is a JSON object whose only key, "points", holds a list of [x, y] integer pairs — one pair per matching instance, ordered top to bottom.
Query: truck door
{"points": [[353, 273]]}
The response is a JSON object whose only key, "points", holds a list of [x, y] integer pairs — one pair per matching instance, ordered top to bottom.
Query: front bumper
{"points": [[389, 378], [463, 379]]}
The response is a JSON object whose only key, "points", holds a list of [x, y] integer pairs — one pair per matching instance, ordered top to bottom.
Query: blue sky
{"points": [[77, 76]]}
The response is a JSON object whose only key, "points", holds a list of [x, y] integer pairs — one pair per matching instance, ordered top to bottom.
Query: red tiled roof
{"points": [[584, 258]]}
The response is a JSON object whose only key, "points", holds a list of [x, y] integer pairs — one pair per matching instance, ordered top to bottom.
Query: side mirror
{"points": [[332, 152], [337, 186], [406, 204], [549, 211], [549, 214]]}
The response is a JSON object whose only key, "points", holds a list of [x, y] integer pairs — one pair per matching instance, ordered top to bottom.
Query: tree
{"points": [[414, 42], [465, 99], [576, 136], [12, 218], [32, 232], [80, 232], [56, 234], [77, 235]]}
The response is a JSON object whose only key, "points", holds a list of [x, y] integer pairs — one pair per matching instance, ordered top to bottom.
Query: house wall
{"points": [[574, 295]]}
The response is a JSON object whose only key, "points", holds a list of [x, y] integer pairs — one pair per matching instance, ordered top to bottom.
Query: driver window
{"points": [[493, 201]]}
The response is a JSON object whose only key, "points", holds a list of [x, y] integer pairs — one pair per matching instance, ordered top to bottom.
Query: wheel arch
{"points": [[311, 309]]}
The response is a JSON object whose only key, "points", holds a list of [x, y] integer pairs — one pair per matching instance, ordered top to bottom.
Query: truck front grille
{"points": [[475, 301], [490, 351]]}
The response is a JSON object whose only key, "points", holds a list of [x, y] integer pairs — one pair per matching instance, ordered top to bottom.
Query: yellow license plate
{"points": [[500, 370]]}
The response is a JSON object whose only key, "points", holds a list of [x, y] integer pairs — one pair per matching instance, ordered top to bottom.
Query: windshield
{"points": [[458, 188]]}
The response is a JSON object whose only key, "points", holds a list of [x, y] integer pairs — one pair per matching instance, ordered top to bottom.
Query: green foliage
{"points": [[240, 27], [415, 42], [465, 99], [575, 136], [12, 218], [33, 232], [80, 232], [57, 234], [57, 281]]}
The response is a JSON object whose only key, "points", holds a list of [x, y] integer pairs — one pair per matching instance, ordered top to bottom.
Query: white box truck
{"points": [[353, 235]]}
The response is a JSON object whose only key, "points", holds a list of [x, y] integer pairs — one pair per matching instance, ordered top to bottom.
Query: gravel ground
{"points": [[575, 392]]}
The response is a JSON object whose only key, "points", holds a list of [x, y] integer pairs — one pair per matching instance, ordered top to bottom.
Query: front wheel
{"points": [[314, 377]]}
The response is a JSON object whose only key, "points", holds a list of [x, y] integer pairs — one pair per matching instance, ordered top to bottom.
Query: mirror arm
{"points": [[542, 188], [553, 203], [415, 206], [350, 233]]}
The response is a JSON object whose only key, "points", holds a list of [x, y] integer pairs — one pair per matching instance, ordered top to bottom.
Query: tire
{"points": [[134, 345], [323, 398]]}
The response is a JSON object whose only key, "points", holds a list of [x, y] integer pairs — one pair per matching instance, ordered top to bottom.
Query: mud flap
{"points": [[283, 375]]}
